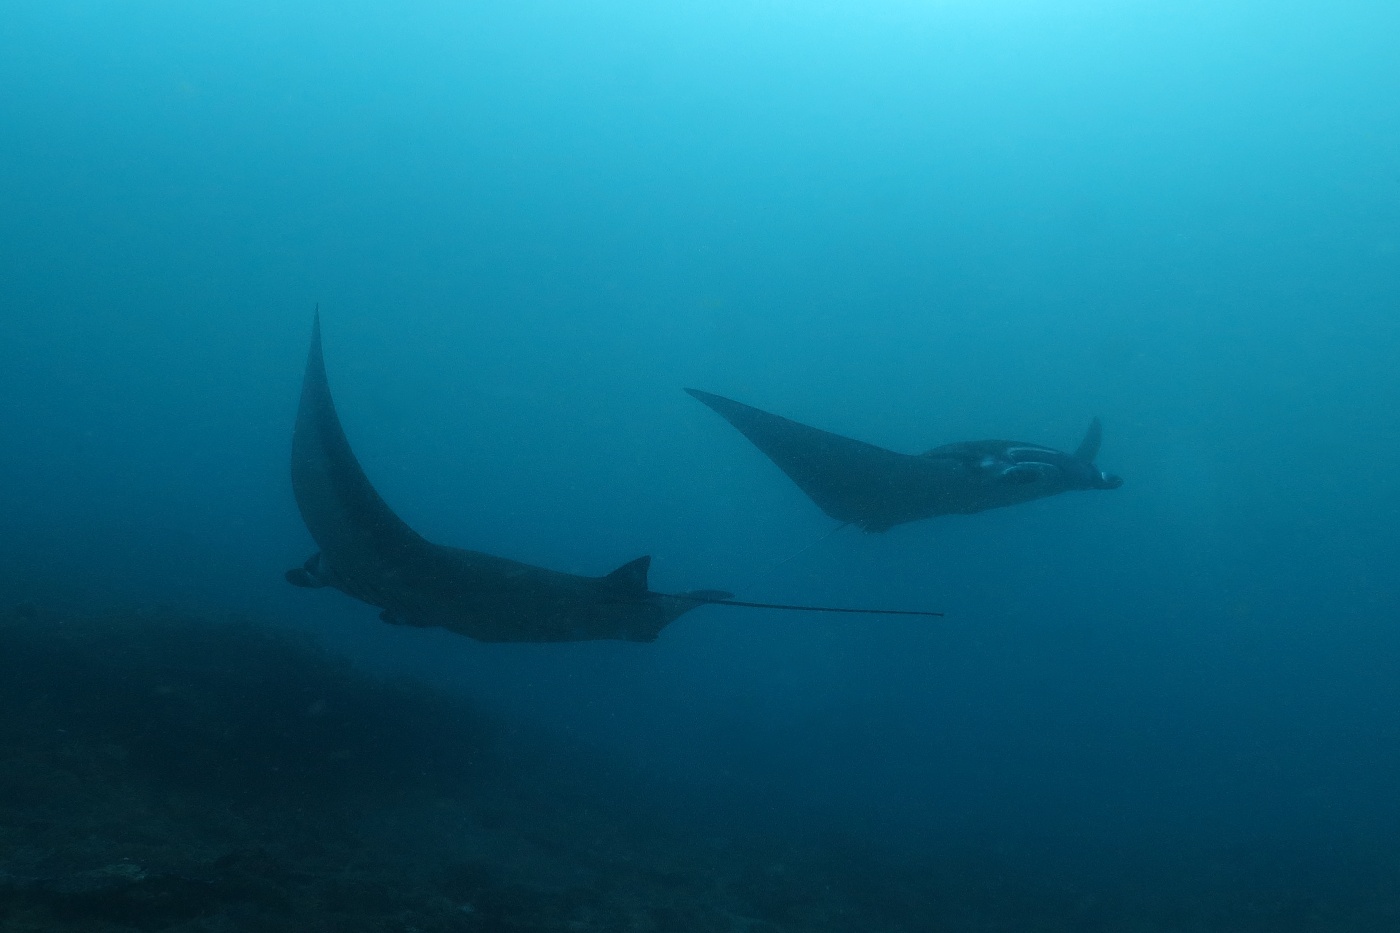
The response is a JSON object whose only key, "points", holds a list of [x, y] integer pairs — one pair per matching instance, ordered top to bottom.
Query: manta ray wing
{"points": [[850, 480], [357, 531], [369, 553]]}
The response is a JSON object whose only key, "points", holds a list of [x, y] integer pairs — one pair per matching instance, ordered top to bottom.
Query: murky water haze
{"points": [[528, 228]]}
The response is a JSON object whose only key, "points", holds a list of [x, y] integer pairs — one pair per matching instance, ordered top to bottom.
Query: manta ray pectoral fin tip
{"points": [[315, 374], [700, 395], [711, 399]]}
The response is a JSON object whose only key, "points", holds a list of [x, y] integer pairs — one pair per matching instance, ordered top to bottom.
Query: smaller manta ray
{"points": [[875, 489], [369, 553]]}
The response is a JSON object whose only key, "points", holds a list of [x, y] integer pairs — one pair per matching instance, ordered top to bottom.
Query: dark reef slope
{"points": [[159, 772], [166, 773]]}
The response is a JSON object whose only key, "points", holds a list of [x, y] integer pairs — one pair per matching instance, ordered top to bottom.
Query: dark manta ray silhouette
{"points": [[860, 484], [369, 553]]}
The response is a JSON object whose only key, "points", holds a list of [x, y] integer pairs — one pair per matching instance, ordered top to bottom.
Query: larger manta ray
{"points": [[875, 489], [369, 553]]}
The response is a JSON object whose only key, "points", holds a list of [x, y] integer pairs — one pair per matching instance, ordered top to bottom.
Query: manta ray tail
{"points": [[1089, 447], [707, 596], [718, 599]]}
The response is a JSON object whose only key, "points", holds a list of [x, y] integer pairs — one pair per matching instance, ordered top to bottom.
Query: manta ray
{"points": [[875, 489], [369, 553]]}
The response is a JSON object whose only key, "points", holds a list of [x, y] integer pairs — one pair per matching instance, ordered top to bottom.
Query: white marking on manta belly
{"points": [[1013, 453], [1025, 473]]}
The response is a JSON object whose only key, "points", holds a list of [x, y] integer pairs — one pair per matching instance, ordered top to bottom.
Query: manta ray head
{"points": [[1107, 481]]}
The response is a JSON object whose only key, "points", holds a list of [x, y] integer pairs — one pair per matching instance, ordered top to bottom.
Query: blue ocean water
{"points": [[529, 226]]}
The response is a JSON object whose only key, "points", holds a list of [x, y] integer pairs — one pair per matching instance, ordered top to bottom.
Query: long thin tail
{"points": [[792, 608]]}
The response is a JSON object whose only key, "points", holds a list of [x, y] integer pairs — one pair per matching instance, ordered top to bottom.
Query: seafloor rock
{"points": [[165, 773], [168, 774]]}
